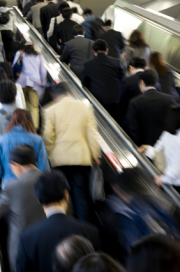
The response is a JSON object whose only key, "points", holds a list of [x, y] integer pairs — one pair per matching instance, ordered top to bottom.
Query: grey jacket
{"points": [[34, 15], [141, 52], [9, 108], [21, 209]]}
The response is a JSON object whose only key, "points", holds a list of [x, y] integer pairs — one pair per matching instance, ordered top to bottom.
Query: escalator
{"points": [[117, 148]]}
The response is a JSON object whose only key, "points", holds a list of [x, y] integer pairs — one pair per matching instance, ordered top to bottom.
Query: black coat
{"points": [[46, 13], [65, 32], [115, 42], [77, 52], [102, 76], [129, 90], [147, 116], [37, 244]]}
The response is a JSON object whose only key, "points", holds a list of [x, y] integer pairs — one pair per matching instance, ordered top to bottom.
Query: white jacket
{"points": [[11, 24]]}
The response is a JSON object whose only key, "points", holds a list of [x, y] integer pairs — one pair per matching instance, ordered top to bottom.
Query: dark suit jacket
{"points": [[46, 13], [65, 32], [115, 42], [77, 52], [102, 76], [129, 90], [147, 116], [21, 208], [37, 244]]}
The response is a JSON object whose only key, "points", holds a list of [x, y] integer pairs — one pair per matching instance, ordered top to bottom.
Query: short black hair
{"points": [[3, 3], [62, 6], [75, 10], [87, 11], [66, 13], [108, 23], [78, 30], [100, 45], [138, 63], [8, 69], [3, 75], [150, 77], [59, 89], [7, 92], [173, 119], [23, 155], [51, 187], [70, 251], [157, 253], [97, 262]]}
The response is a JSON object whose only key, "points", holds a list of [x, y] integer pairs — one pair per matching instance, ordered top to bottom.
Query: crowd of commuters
{"points": [[48, 219]]}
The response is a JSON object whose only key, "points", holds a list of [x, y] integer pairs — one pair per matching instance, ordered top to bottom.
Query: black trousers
{"points": [[78, 178]]}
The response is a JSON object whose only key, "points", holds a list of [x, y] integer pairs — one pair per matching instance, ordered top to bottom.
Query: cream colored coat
{"points": [[69, 133]]}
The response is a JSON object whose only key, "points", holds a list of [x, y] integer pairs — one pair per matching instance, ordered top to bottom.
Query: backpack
{"points": [[4, 17]]}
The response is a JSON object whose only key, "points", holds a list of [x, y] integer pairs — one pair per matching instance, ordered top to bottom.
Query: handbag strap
{"points": [[6, 115]]}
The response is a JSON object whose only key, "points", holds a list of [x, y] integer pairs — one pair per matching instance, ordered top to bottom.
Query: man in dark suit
{"points": [[46, 13], [65, 28], [114, 40], [77, 51], [102, 76], [130, 86], [147, 113], [18, 203], [37, 244]]}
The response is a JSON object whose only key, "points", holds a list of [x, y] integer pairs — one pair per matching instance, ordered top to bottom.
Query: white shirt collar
{"points": [[79, 36], [138, 70], [149, 88], [54, 210]]}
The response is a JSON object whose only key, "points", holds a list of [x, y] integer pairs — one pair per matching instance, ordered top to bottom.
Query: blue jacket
{"points": [[87, 25], [18, 136]]}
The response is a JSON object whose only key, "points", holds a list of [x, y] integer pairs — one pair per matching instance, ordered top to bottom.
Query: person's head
{"points": [[70, 0], [39, 1], [3, 3], [62, 6], [74, 10], [87, 12], [67, 13], [108, 23], [78, 30], [137, 40], [100, 46], [29, 49], [157, 62], [137, 64], [8, 69], [3, 75], [149, 78], [59, 90], [7, 92], [22, 118], [173, 119], [22, 158], [52, 189], [70, 251], [157, 253], [97, 262]]}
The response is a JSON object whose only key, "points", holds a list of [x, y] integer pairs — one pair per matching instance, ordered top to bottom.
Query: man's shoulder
{"points": [[37, 7], [138, 99], [34, 230]]}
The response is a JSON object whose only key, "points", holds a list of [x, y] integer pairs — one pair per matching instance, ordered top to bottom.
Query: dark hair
{"points": [[38, 1], [3, 3], [62, 6], [74, 10], [87, 11], [66, 13], [108, 23], [78, 30], [137, 40], [100, 45], [29, 50], [157, 62], [138, 63], [8, 70], [3, 75], [150, 77], [60, 89], [7, 91], [22, 118], [173, 119], [23, 155], [51, 187], [70, 251], [157, 253], [97, 262]]}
